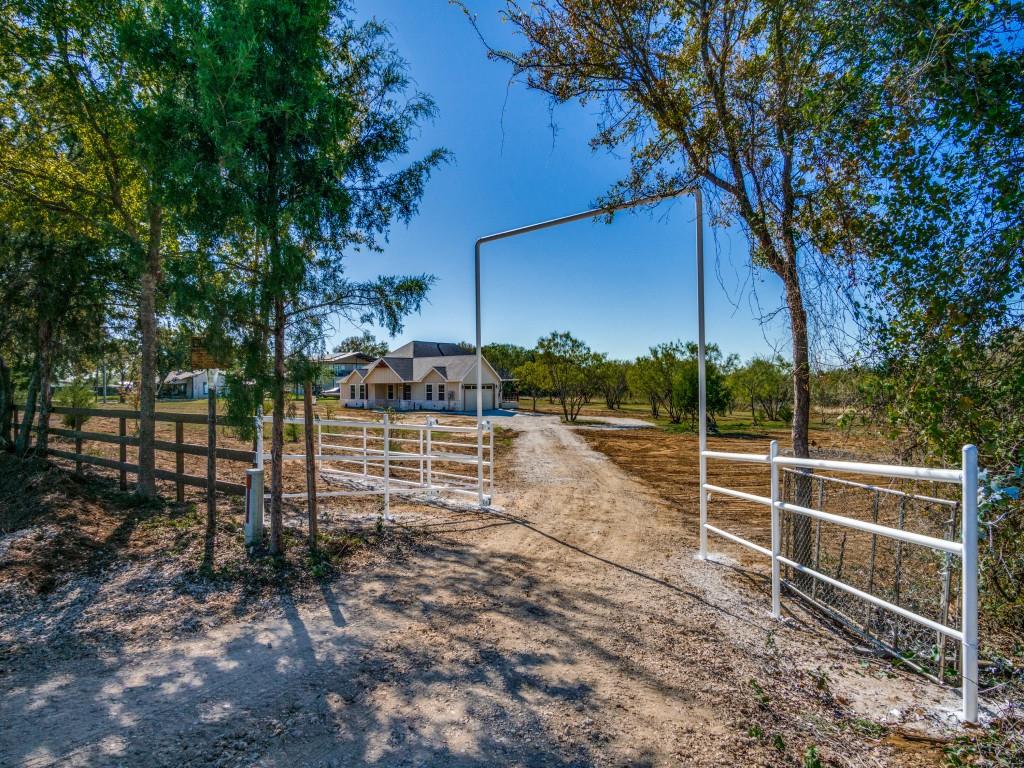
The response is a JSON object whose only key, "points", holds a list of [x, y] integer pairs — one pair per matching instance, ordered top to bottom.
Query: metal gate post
{"points": [[702, 406], [431, 422], [259, 438], [773, 452], [490, 467], [387, 468], [253, 507], [969, 587]]}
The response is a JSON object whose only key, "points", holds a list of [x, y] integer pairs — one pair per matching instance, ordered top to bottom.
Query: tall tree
{"points": [[715, 93], [77, 102], [934, 108], [285, 124], [571, 367]]}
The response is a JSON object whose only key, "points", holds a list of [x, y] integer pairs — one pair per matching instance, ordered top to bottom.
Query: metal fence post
{"points": [[259, 438], [419, 446], [773, 452], [430, 462], [387, 468], [490, 468], [254, 507], [969, 588]]}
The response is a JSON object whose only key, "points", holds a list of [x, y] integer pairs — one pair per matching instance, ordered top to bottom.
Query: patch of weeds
{"points": [[174, 520], [820, 678], [759, 692], [869, 727], [755, 731], [779, 743], [1000, 745], [811, 759]]}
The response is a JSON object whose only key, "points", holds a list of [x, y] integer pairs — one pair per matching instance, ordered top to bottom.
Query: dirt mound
{"points": [[52, 523]]}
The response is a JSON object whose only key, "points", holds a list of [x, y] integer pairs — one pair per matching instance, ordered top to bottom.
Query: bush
{"points": [[78, 394]]}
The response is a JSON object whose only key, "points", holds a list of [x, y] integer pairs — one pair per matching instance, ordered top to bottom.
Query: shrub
{"points": [[78, 394]]}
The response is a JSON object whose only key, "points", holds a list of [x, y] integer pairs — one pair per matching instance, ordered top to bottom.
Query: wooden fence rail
{"points": [[178, 447]]}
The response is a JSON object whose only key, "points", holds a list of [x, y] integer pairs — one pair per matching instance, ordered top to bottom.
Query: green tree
{"points": [[284, 119], [72, 146], [59, 281], [365, 342], [506, 357], [571, 368], [532, 378], [613, 381], [644, 381], [763, 384]]}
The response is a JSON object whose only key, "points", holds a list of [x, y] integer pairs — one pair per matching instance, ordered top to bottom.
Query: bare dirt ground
{"points": [[572, 628]]}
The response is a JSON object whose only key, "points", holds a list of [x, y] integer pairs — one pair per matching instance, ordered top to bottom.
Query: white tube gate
{"points": [[389, 458], [966, 548]]}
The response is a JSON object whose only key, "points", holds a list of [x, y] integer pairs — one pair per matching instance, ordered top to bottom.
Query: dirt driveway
{"points": [[574, 628]]}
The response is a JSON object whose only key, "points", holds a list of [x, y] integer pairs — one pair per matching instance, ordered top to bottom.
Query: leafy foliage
{"points": [[365, 342], [570, 365]]}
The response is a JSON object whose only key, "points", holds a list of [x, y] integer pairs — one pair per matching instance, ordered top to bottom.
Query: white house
{"points": [[422, 375], [188, 385]]}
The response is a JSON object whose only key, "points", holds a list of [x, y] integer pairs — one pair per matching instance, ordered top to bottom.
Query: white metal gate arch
{"points": [[967, 475]]}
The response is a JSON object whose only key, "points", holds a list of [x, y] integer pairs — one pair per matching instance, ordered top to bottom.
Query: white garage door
{"points": [[471, 397]]}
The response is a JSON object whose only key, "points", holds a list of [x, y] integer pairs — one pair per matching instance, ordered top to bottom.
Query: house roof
{"points": [[417, 349], [346, 357], [414, 361], [180, 377]]}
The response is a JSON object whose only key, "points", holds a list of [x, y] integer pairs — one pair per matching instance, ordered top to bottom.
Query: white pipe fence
{"points": [[373, 445], [966, 548]]}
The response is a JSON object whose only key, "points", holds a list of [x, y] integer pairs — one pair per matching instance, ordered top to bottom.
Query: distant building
{"points": [[421, 375], [188, 385]]}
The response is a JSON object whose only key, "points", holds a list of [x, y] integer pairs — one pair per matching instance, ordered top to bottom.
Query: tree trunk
{"points": [[147, 369], [45, 388], [6, 406], [801, 416], [310, 426], [25, 431], [277, 431]]}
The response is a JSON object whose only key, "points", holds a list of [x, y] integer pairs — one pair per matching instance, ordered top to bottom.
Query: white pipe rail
{"points": [[338, 442], [887, 470], [883, 489], [966, 548]]}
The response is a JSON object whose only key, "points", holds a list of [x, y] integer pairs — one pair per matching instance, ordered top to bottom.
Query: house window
{"points": [[362, 391], [391, 391], [407, 391], [430, 391], [440, 391], [352, 392]]}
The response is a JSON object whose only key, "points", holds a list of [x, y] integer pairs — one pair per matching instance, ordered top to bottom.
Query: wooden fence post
{"points": [[307, 403], [122, 431], [78, 444], [179, 459], [211, 470]]}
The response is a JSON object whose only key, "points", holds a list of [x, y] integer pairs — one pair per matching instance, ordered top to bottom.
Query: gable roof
{"points": [[453, 363]]}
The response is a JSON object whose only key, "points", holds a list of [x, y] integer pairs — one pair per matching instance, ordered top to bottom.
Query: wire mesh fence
{"points": [[917, 578]]}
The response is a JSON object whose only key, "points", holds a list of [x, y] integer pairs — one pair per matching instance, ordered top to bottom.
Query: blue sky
{"points": [[621, 287]]}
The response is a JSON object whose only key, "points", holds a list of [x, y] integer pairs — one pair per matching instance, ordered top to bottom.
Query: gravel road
{"points": [[571, 628]]}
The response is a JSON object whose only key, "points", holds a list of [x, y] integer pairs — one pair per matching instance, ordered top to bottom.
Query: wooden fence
{"points": [[178, 447]]}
